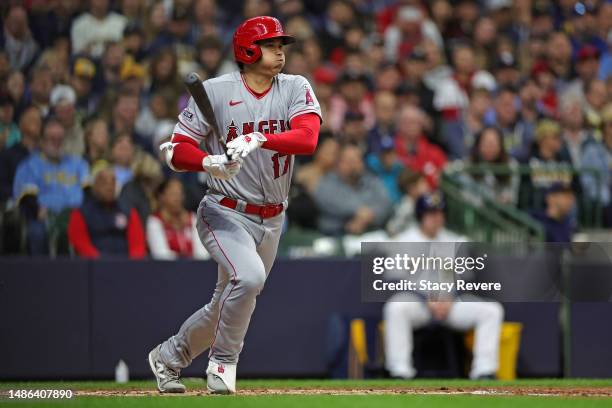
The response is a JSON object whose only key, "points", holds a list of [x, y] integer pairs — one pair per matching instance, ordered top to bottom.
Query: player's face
{"points": [[272, 57], [432, 222]]}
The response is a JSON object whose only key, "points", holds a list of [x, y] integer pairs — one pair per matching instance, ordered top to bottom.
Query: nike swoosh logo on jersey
{"points": [[234, 103]]}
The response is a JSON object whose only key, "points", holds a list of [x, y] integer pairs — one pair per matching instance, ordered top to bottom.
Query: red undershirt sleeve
{"points": [[301, 139], [187, 155]]}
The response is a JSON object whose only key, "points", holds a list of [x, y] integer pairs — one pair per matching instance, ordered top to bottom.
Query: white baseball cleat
{"points": [[167, 378], [221, 378]]}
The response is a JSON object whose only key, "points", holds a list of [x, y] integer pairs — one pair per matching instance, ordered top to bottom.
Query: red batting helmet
{"points": [[246, 49]]}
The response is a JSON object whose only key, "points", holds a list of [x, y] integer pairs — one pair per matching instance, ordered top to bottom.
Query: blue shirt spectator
{"points": [[386, 166], [55, 179]]}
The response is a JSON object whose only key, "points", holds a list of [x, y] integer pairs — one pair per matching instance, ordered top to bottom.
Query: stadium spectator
{"points": [[339, 15], [410, 27], [92, 29], [485, 32], [176, 34], [17, 39], [134, 41], [210, 57], [587, 68], [414, 69], [506, 70], [83, 72], [132, 76], [388, 78], [165, 79], [545, 80], [15, 86], [40, 89], [451, 93], [530, 94], [351, 97], [63, 99], [594, 100], [385, 106], [152, 116], [123, 121], [30, 127], [354, 130], [9, 131], [459, 134], [518, 134], [575, 136], [97, 141], [413, 148], [598, 156], [122, 158], [325, 158], [549, 164], [386, 166], [48, 183], [501, 183], [412, 185], [139, 193], [350, 199], [557, 215], [102, 227], [171, 230], [405, 312]]}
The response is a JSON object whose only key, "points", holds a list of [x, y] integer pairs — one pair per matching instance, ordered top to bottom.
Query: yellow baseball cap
{"points": [[84, 67], [132, 69]]}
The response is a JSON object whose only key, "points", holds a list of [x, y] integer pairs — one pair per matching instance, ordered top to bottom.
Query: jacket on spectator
{"points": [[424, 157], [96, 230]]}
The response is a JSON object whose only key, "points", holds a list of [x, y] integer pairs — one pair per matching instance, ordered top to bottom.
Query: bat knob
{"points": [[192, 78]]}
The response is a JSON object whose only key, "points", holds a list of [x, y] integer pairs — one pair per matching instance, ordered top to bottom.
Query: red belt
{"points": [[264, 211]]}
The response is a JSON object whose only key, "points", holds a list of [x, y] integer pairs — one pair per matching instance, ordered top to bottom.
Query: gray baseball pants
{"points": [[244, 246]]}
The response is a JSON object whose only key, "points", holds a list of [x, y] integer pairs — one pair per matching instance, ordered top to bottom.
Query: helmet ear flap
{"points": [[252, 53]]}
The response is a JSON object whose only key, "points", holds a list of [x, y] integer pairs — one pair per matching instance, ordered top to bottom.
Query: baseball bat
{"points": [[196, 89]]}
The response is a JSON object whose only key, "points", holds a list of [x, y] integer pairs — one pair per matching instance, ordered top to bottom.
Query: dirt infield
{"points": [[490, 391]]}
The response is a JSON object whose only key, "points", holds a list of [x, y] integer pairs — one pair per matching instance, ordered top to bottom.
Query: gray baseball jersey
{"points": [[266, 175], [244, 246]]}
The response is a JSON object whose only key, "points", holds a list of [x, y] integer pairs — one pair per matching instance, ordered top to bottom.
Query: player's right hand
{"points": [[219, 166]]}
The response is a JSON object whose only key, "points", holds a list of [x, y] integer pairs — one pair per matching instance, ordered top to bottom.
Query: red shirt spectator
{"points": [[413, 148], [100, 227]]}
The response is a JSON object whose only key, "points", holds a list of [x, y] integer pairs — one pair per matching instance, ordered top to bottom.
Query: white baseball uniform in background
{"points": [[243, 245], [405, 312]]}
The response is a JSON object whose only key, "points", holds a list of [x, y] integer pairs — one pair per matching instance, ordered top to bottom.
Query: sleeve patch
{"points": [[309, 100]]}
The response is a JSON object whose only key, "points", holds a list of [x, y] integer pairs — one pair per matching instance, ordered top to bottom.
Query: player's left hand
{"points": [[245, 144]]}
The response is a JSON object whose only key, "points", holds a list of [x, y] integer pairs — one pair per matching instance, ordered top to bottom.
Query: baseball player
{"points": [[265, 117], [405, 312]]}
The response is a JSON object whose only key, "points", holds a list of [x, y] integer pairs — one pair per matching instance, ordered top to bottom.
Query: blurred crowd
{"points": [[410, 90]]}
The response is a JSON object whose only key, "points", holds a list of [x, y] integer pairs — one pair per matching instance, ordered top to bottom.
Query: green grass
{"points": [[335, 401]]}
